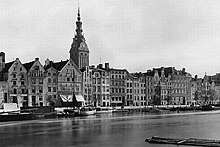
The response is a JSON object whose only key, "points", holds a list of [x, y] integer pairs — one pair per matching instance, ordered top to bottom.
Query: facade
{"points": [[79, 51], [15, 74], [64, 82], [129, 82], [36, 83], [88, 85], [101, 86], [149, 86], [168, 86], [118, 87], [181, 88], [139, 90], [3, 92]]}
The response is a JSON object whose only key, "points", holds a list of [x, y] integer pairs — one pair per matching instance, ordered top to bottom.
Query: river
{"points": [[110, 130]]}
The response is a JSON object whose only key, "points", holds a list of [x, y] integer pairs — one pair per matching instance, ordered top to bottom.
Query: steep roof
{"points": [[28, 65], [59, 65], [7, 66], [167, 71]]}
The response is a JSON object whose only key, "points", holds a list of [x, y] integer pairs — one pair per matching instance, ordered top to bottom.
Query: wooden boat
{"points": [[103, 110], [85, 111], [183, 141]]}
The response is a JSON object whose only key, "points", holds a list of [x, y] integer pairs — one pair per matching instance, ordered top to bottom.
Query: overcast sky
{"points": [[132, 34]]}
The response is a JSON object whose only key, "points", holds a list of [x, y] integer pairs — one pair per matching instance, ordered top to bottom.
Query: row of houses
{"points": [[34, 84]]}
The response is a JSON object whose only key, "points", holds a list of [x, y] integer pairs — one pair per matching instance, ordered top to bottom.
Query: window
{"points": [[36, 67], [20, 69], [49, 74], [14, 75], [22, 76], [68, 79], [49, 80], [54, 80], [33, 81], [40, 81], [14, 82], [22, 82], [33, 89], [40, 89], [49, 89], [54, 89], [15, 91], [23, 91], [40, 98], [34, 100]]}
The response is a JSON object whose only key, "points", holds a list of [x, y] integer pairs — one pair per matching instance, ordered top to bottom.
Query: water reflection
{"points": [[109, 130]]}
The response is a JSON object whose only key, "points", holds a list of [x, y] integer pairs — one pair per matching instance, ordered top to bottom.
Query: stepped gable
{"points": [[28, 65], [59, 65]]}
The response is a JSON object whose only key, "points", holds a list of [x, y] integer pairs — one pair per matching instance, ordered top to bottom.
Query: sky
{"points": [[135, 35]]}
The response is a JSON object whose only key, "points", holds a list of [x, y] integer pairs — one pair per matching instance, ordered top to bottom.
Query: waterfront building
{"points": [[79, 51], [15, 74], [51, 79], [64, 82], [129, 82], [36, 83], [88, 85], [101, 86], [117, 86], [149, 86], [168, 86], [181, 87], [139, 89], [4, 91], [194, 91]]}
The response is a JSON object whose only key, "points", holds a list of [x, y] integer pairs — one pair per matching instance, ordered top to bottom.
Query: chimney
{"points": [[37, 59], [2, 61], [106, 65], [92, 66], [99, 66], [184, 70], [196, 77]]}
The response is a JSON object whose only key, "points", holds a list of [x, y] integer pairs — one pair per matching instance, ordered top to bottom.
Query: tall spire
{"points": [[78, 18], [79, 30]]}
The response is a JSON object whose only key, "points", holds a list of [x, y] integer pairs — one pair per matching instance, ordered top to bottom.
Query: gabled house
{"points": [[16, 76], [64, 82], [36, 83]]}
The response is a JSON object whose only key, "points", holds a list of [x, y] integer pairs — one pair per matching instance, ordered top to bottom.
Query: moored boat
{"points": [[101, 110], [85, 111], [16, 116], [184, 141]]}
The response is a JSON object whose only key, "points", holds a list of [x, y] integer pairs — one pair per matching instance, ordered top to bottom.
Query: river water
{"points": [[110, 130]]}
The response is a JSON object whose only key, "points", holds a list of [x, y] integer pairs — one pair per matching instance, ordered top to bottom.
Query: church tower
{"points": [[79, 51]]}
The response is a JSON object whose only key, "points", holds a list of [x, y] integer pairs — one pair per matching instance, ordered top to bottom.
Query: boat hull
{"points": [[86, 113], [17, 117]]}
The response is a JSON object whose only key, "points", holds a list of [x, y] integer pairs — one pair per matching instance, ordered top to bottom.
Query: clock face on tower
{"points": [[83, 46]]}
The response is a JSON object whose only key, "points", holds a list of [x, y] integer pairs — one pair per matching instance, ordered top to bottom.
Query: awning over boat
{"points": [[67, 98], [80, 98]]}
